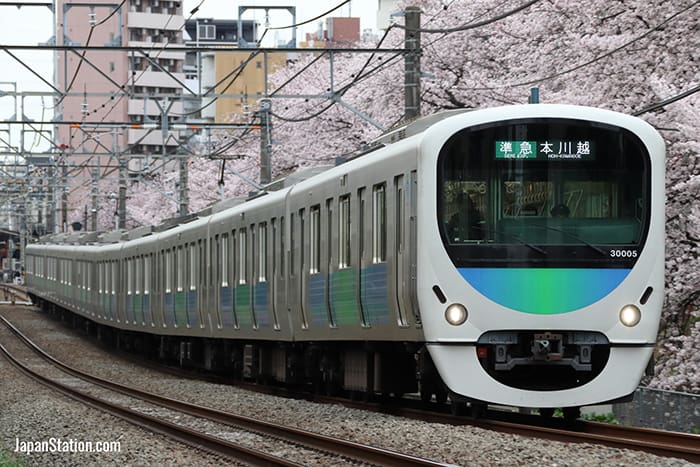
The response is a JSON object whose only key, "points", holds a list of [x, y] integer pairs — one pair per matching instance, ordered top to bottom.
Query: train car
{"points": [[512, 256]]}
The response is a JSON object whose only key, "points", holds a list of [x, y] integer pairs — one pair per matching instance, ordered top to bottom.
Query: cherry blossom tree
{"points": [[620, 55], [623, 55]]}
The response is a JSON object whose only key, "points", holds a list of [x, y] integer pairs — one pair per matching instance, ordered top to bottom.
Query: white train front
{"points": [[511, 255], [557, 268]]}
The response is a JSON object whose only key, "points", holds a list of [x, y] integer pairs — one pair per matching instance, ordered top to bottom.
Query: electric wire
{"points": [[326, 13], [468, 26], [446, 31], [596, 59], [341, 92], [668, 101]]}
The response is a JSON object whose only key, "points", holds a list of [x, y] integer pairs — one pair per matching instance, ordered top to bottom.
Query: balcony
{"points": [[157, 21], [158, 79]]}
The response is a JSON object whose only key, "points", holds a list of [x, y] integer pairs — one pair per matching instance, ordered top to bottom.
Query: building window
{"points": [[207, 31]]}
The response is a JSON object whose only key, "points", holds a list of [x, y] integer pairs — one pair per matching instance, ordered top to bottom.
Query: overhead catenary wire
{"points": [[325, 13], [472, 25], [609, 53], [82, 56], [595, 59], [340, 92], [118, 99], [668, 101]]}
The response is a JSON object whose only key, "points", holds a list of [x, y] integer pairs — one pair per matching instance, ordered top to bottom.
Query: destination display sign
{"points": [[552, 150]]}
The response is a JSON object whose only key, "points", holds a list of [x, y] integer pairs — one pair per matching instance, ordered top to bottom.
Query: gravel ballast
{"points": [[30, 412]]}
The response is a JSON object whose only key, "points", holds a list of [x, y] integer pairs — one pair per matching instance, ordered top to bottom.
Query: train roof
{"points": [[308, 177]]}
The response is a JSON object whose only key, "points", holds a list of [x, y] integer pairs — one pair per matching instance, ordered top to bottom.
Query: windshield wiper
{"points": [[513, 236], [575, 237]]}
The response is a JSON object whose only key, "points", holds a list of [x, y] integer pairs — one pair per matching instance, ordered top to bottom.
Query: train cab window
{"points": [[546, 191], [379, 223], [344, 232], [315, 251]]}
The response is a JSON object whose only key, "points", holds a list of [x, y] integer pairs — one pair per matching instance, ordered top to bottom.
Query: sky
{"points": [[228, 9]]}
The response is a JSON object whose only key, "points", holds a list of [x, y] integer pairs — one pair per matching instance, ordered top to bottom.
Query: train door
{"points": [[413, 244], [274, 259], [363, 261], [402, 269], [303, 273], [192, 291], [280, 292]]}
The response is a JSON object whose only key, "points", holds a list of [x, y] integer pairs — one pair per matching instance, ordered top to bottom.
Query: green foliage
{"points": [[601, 417], [7, 460]]}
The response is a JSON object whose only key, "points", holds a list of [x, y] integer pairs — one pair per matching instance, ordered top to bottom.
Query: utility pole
{"points": [[412, 64], [265, 141], [183, 183], [64, 193], [95, 193], [121, 205], [51, 211]]}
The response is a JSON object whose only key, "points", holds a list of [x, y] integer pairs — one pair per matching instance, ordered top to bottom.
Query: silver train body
{"points": [[511, 255]]}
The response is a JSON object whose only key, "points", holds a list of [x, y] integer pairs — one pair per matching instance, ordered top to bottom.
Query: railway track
{"points": [[15, 294], [156, 413], [658, 442]]}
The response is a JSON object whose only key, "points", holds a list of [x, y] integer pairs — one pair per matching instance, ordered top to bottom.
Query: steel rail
{"points": [[19, 293], [180, 433], [658, 442], [336, 446]]}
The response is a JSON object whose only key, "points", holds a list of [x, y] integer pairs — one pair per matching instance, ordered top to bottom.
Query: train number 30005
{"points": [[623, 253]]}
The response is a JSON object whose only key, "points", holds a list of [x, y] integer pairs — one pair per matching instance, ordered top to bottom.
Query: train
{"points": [[503, 256]]}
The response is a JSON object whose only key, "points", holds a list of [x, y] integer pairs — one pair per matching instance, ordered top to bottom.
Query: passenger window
{"points": [[379, 223], [344, 233], [262, 252], [315, 252], [242, 256], [223, 260], [180, 268]]}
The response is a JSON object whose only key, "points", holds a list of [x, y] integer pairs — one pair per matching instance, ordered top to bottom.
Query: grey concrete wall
{"points": [[665, 410]]}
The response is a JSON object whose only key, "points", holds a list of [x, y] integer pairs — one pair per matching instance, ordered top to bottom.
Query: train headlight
{"points": [[456, 314], [630, 315]]}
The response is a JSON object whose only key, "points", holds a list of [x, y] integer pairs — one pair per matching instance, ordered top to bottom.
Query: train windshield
{"points": [[546, 191]]}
